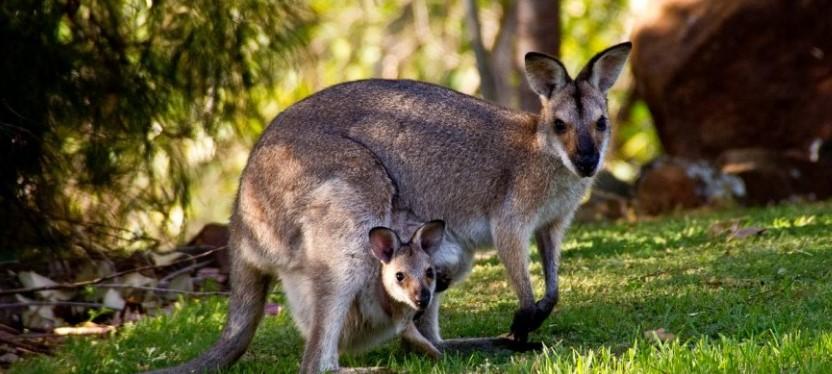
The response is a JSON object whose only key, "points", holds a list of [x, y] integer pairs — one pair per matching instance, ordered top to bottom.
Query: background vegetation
{"points": [[109, 109], [124, 123], [124, 126]]}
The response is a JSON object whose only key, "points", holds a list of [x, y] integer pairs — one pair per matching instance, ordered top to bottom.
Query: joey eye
{"points": [[601, 125], [560, 126], [429, 273], [399, 276]]}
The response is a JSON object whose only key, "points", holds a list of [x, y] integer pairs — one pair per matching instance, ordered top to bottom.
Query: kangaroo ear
{"points": [[602, 70], [545, 73], [429, 236], [383, 243]]}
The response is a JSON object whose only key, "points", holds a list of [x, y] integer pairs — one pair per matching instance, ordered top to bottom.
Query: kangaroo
{"points": [[340, 162], [404, 285], [397, 286]]}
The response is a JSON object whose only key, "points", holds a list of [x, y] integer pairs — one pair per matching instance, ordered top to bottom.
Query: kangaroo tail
{"points": [[249, 288]]}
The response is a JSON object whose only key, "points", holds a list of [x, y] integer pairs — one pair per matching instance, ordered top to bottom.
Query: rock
{"points": [[720, 75], [772, 176], [669, 183], [8, 358]]}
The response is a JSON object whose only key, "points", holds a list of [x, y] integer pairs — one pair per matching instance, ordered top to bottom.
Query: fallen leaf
{"points": [[733, 230], [746, 232], [165, 259], [30, 279], [138, 280], [113, 299], [272, 309], [39, 317], [85, 329], [659, 335]]}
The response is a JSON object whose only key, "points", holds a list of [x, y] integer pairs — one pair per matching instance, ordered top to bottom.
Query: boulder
{"points": [[723, 75], [772, 176], [669, 183]]}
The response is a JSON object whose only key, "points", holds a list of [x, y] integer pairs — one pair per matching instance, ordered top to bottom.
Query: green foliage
{"points": [[590, 26], [107, 106], [113, 114], [760, 304]]}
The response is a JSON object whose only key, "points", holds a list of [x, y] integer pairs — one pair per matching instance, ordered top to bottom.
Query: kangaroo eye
{"points": [[601, 125], [560, 126], [429, 273], [399, 276]]}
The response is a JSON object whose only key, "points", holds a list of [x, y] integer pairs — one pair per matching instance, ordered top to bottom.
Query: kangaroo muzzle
{"points": [[586, 163], [422, 299]]}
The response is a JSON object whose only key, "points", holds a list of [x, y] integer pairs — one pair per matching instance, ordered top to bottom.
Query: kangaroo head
{"points": [[574, 123], [406, 268]]}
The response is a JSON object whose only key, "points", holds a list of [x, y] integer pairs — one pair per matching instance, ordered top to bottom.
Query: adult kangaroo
{"points": [[331, 167]]}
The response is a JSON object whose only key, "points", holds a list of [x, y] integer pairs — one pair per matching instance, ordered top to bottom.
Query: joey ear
{"points": [[604, 68], [545, 73], [429, 236], [383, 243]]}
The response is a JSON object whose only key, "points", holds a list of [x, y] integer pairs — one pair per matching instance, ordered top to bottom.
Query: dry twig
{"points": [[63, 286], [168, 290], [50, 303], [12, 340]]}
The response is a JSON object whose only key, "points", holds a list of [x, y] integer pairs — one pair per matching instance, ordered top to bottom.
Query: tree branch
{"points": [[472, 19], [187, 269], [63, 286], [168, 290], [50, 303], [10, 339]]}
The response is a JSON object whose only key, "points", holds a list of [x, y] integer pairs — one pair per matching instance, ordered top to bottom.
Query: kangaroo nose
{"points": [[586, 163]]}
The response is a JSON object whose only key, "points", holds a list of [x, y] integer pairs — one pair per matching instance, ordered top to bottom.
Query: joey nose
{"points": [[423, 299]]}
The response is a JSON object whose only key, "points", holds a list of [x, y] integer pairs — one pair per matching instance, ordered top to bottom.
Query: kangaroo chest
{"points": [[562, 201]]}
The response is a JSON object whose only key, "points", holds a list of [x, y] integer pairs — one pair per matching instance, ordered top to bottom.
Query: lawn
{"points": [[756, 304]]}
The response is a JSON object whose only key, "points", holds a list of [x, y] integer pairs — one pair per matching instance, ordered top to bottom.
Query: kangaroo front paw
{"points": [[529, 319], [522, 324]]}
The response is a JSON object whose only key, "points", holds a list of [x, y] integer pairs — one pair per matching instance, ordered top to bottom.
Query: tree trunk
{"points": [[526, 25], [538, 29], [506, 71]]}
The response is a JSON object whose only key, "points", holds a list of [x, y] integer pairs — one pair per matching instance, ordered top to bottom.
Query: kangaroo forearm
{"points": [[548, 246], [514, 256], [412, 336]]}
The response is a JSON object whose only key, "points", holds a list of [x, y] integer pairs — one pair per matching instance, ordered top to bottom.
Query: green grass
{"points": [[761, 304]]}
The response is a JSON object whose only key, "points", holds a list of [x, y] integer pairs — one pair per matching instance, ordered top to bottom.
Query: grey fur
{"points": [[384, 153]]}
